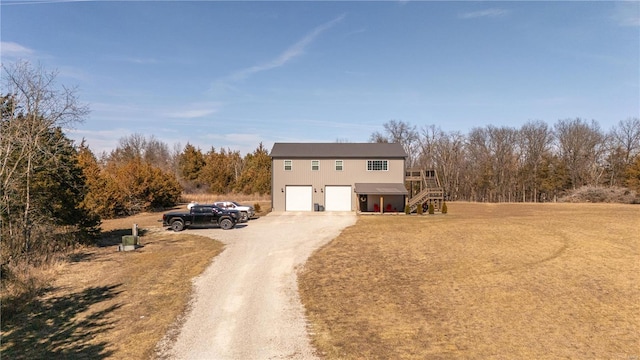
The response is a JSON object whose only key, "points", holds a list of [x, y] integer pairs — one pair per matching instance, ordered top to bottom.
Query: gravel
{"points": [[246, 304]]}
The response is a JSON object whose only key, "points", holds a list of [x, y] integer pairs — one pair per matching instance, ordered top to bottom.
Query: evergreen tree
{"points": [[190, 163], [218, 171], [256, 175], [41, 183], [59, 185]]}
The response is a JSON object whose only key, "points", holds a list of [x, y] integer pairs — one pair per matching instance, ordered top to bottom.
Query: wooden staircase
{"points": [[430, 192]]}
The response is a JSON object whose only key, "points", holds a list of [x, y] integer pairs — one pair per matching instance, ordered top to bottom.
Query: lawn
{"points": [[498, 281], [501, 281]]}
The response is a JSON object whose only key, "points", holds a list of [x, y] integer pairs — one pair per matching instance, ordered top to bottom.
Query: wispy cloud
{"points": [[488, 13], [626, 13], [14, 50], [289, 54], [136, 60], [126, 111], [196, 111], [99, 141], [245, 143]]}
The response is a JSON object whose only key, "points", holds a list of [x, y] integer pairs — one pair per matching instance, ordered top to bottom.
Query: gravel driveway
{"points": [[246, 304]]}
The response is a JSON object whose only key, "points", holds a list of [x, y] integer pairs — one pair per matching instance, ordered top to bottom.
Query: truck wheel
{"points": [[244, 217], [226, 224], [177, 225]]}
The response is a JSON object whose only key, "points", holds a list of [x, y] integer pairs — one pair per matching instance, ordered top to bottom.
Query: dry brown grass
{"points": [[496, 281], [500, 281], [100, 303], [109, 304]]}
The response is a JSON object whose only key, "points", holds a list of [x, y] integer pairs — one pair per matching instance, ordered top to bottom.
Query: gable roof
{"points": [[337, 150]]}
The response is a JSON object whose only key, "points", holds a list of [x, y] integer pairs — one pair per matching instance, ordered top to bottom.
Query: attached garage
{"points": [[317, 177], [298, 198], [338, 198]]}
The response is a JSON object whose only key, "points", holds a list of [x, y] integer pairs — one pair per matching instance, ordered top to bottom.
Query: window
{"points": [[288, 164], [315, 165], [338, 165], [377, 165]]}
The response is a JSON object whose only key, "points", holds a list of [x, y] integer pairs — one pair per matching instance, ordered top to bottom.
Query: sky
{"points": [[232, 75]]}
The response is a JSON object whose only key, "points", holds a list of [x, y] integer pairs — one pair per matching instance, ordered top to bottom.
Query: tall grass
{"points": [[599, 194], [209, 198], [262, 203], [22, 282]]}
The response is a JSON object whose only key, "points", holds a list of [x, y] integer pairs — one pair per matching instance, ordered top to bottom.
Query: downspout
{"points": [[273, 190]]}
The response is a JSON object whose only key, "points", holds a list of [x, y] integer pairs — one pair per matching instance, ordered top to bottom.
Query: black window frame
{"points": [[378, 165]]}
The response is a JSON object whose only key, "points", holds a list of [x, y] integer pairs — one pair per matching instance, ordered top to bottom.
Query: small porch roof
{"points": [[381, 189]]}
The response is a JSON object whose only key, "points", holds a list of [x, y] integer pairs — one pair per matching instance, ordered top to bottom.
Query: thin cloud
{"points": [[488, 13], [626, 13], [14, 50], [289, 54], [136, 60], [74, 73], [197, 111], [192, 114], [99, 141]]}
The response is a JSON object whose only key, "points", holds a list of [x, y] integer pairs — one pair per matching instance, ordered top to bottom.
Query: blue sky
{"points": [[234, 74]]}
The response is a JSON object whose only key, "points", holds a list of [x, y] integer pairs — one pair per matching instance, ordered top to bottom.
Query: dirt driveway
{"points": [[246, 304]]}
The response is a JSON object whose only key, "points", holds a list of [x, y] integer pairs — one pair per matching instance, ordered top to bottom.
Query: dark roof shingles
{"points": [[338, 150]]}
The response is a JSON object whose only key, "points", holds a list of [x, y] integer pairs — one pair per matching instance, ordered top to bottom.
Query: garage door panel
{"points": [[298, 198], [338, 198]]}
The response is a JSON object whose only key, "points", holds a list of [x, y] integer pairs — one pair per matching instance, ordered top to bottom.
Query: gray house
{"points": [[366, 177]]}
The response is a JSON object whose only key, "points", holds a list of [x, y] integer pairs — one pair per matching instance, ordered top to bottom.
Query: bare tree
{"points": [[37, 107], [402, 133], [627, 136], [378, 137], [535, 141], [502, 142], [623, 145], [136, 146], [580, 146], [129, 148], [157, 153], [445, 153], [478, 175]]}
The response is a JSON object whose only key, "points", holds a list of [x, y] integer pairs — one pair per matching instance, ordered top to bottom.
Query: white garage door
{"points": [[298, 198], [338, 198]]}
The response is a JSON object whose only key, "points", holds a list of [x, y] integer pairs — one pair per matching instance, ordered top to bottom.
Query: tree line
{"points": [[532, 163], [54, 193]]}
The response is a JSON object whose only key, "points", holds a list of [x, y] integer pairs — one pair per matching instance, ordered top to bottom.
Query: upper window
{"points": [[288, 165], [315, 165], [339, 165], [377, 165]]}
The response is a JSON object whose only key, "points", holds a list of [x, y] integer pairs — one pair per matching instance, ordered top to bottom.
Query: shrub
{"points": [[593, 194], [256, 207], [444, 208], [407, 209], [431, 209], [420, 210]]}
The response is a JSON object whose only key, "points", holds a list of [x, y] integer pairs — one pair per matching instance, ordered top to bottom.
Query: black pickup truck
{"points": [[201, 216]]}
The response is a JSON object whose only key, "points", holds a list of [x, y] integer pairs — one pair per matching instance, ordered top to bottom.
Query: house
{"points": [[365, 177]]}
